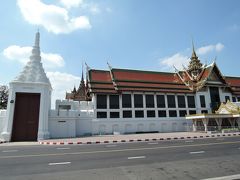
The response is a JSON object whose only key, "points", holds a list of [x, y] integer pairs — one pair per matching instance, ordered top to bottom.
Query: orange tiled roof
{"points": [[120, 80], [234, 83]]}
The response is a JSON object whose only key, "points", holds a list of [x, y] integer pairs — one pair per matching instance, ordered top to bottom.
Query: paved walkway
{"points": [[123, 138], [134, 138]]}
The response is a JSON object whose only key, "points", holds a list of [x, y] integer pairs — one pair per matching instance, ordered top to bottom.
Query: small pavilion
{"points": [[227, 116]]}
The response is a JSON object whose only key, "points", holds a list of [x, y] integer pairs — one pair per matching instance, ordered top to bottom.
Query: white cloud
{"points": [[71, 3], [94, 9], [53, 18], [219, 47], [209, 48], [17, 53], [22, 54], [179, 59], [52, 60], [176, 60], [62, 83]]}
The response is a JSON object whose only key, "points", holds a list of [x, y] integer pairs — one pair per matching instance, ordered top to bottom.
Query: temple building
{"points": [[80, 94], [120, 101], [130, 101]]}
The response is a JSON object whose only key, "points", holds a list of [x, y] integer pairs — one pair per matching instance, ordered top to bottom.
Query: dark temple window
{"points": [[138, 100], [101, 101], [114, 101], [126, 101], [149, 101], [161, 101], [171, 101], [181, 101], [191, 101]]}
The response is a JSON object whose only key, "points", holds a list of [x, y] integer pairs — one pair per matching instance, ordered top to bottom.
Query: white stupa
{"points": [[33, 72], [31, 80]]}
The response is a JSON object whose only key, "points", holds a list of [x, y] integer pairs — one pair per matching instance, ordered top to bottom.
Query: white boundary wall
{"points": [[3, 114]]}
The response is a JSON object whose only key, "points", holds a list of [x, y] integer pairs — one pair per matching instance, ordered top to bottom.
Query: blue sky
{"points": [[134, 34]]}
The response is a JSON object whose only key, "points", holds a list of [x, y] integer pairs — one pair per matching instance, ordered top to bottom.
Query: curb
{"points": [[133, 140]]}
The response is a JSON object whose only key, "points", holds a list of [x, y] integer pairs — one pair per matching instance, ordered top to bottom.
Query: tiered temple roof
{"points": [[189, 80], [149, 81], [79, 94]]}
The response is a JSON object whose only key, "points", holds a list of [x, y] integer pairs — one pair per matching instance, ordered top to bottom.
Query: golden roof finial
{"points": [[193, 51]]}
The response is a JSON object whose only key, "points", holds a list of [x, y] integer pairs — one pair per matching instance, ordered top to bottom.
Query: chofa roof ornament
{"points": [[191, 75]]}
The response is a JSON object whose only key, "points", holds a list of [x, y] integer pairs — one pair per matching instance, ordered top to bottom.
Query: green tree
{"points": [[3, 97]]}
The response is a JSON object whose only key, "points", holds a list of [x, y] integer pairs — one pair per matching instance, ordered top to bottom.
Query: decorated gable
{"points": [[215, 76], [228, 108]]}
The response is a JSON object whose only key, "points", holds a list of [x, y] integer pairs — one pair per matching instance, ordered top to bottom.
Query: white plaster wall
{"points": [[223, 94], [207, 101], [74, 104], [3, 114], [84, 122], [62, 123], [70, 123], [133, 125], [84, 126], [62, 127]]}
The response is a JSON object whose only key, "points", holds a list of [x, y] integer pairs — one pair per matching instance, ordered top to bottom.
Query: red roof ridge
{"points": [[144, 71], [234, 77]]}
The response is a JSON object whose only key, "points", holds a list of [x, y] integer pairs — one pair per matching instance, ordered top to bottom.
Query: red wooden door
{"points": [[26, 117]]}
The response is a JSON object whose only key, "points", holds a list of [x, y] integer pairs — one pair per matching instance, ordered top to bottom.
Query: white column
{"points": [[176, 101], [144, 105], [155, 105], [166, 105], [108, 106], [120, 106], [133, 108], [238, 121], [205, 123], [219, 123], [194, 125], [7, 129], [43, 132]]}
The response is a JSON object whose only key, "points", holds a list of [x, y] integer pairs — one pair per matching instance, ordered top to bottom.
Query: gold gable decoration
{"points": [[191, 76], [228, 108]]}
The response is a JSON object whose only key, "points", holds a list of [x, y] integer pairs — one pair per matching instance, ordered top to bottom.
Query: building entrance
{"points": [[215, 98], [26, 117]]}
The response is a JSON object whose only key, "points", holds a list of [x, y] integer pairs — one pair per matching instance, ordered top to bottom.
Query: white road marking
{"points": [[220, 139], [190, 141], [153, 143], [112, 145], [63, 148], [120, 150], [10, 151], [197, 152], [137, 157], [59, 163], [236, 176]]}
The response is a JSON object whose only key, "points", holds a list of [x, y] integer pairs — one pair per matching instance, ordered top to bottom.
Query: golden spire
{"points": [[194, 56]]}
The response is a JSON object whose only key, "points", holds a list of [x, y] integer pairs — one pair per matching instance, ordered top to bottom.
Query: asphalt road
{"points": [[179, 159]]}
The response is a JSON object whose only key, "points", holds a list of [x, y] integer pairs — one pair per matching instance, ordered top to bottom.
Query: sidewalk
{"points": [[127, 138], [134, 138]]}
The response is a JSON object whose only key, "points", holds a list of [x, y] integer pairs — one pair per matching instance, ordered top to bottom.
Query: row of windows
{"points": [[234, 99], [138, 101], [150, 113]]}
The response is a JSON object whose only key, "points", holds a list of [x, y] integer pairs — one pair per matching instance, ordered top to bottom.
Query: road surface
{"points": [[177, 159]]}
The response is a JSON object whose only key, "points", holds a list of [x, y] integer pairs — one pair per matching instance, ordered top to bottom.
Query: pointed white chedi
{"points": [[33, 72], [32, 79]]}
